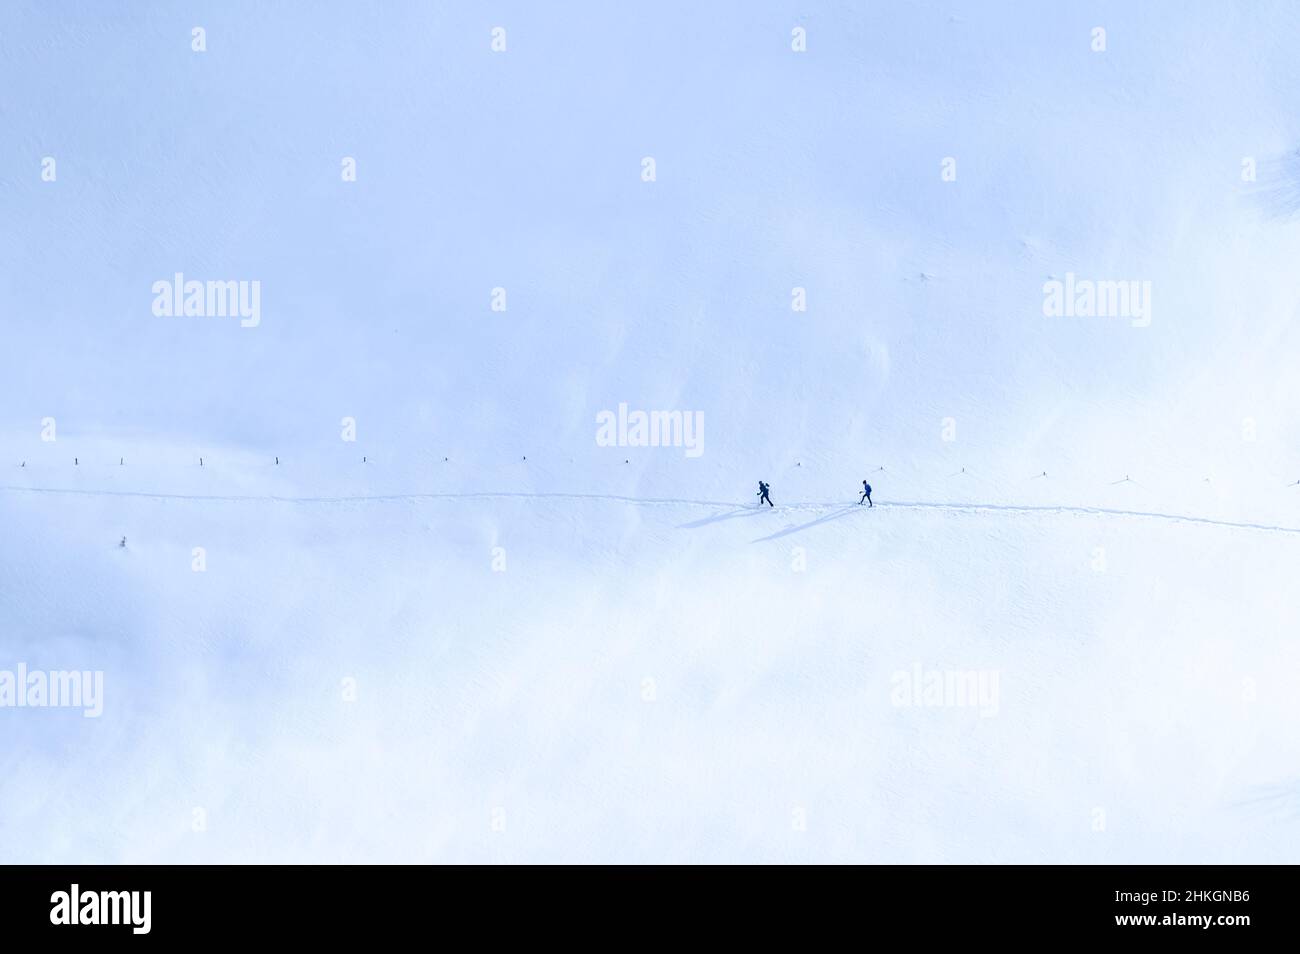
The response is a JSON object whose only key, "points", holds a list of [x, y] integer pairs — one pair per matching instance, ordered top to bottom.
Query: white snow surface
{"points": [[495, 640]]}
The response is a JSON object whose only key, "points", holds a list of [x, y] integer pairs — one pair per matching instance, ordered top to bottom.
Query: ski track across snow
{"points": [[800, 506]]}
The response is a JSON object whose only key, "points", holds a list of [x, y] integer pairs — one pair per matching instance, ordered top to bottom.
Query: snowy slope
{"points": [[607, 651], [1156, 691]]}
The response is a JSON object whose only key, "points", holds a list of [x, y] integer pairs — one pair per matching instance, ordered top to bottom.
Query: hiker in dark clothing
{"points": [[762, 494], [866, 495]]}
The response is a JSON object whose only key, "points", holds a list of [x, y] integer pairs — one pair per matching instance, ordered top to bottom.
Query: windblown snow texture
{"points": [[478, 631]]}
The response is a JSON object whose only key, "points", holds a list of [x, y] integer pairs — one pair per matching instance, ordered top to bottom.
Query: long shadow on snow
{"points": [[731, 515], [812, 523]]}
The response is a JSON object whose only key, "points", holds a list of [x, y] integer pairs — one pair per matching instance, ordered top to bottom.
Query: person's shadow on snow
{"points": [[851, 508], [717, 518]]}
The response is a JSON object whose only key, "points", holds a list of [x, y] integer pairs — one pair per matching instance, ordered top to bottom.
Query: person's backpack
{"points": [[868, 486]]}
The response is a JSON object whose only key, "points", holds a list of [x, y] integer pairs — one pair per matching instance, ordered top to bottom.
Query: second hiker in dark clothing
{"points": [[762, 494], [866, 495]]}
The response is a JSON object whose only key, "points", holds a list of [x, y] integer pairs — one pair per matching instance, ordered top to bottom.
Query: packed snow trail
{"points": [[800, 506]]}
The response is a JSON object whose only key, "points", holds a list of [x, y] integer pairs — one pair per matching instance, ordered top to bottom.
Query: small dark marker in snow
{"points": [[277, 460], [120, 461], [200, 461], [75, 462], [123, 543]]}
